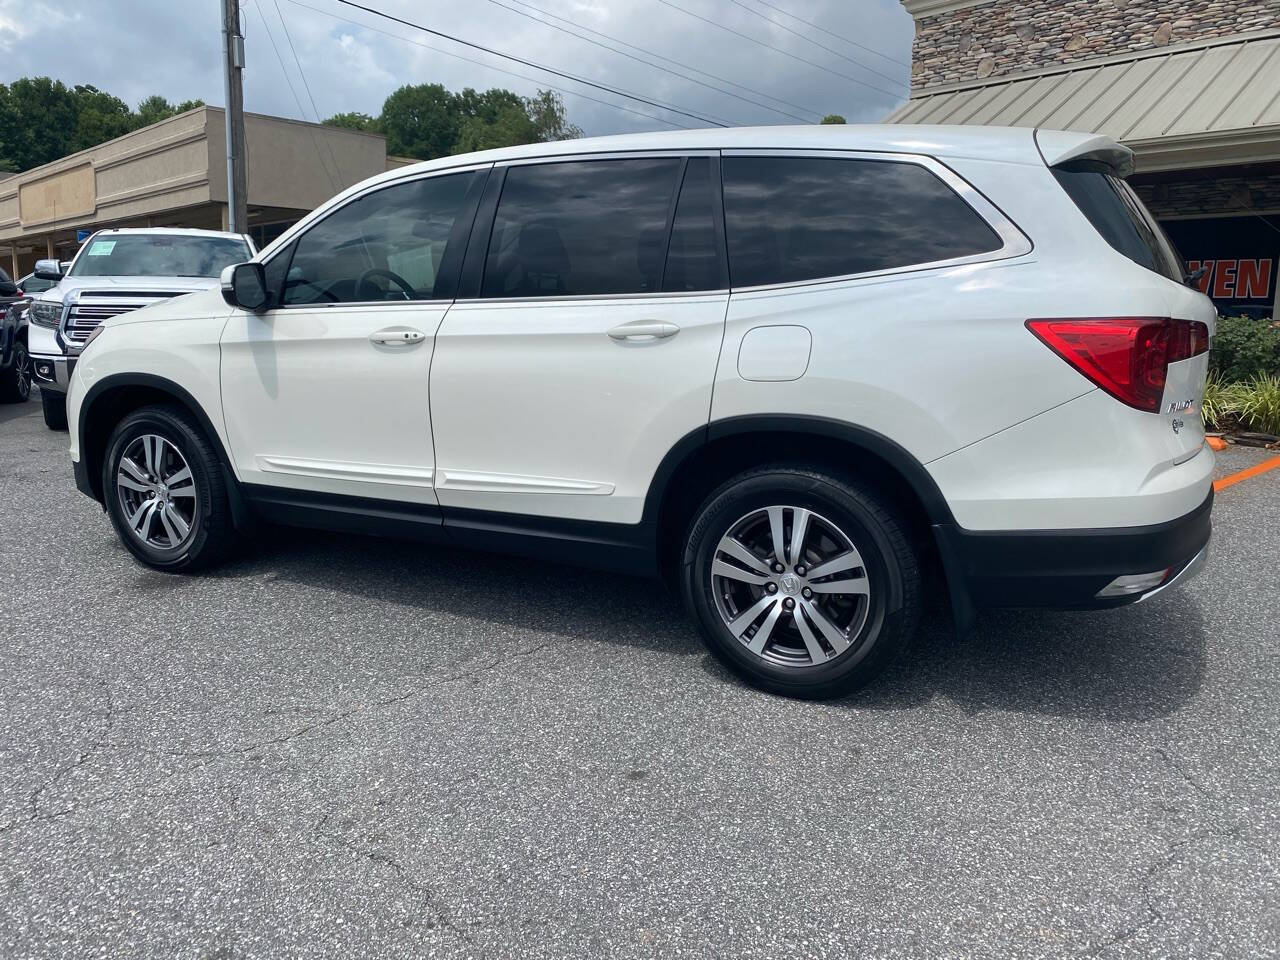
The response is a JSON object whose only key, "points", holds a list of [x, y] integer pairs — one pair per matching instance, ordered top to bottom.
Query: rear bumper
{"points": [[1068, 568]]}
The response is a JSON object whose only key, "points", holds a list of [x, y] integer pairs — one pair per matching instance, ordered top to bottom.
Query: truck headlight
{"points": [[46, 313]]}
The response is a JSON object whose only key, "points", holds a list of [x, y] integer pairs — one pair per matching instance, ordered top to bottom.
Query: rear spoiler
{"points": [[1058, 147]]}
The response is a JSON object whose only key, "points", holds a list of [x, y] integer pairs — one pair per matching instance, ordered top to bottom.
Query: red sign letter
{"points": [[1254, 280], [1204, 281], [1224, 281]]}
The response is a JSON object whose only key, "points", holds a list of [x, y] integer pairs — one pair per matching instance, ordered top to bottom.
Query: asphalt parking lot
{"points": [[350, 748]]}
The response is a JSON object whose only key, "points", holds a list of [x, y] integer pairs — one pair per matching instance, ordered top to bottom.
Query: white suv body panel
{"points": [[177, 341], [530, 408], [539, 411], [347, 416]]}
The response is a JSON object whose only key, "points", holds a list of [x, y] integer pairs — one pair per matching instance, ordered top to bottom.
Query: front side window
{"points": [[791, 219], [587, 227], [384, 246], [158, 255]]}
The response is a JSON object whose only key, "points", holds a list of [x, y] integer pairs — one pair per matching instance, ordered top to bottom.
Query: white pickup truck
{"points": [[114, 272]]}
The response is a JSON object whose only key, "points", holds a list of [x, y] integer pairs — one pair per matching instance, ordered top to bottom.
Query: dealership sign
{"points": [[1239, 257], [1234, 279]]}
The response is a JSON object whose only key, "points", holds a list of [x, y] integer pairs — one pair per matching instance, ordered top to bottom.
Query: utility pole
{"points": [[233, 67]]}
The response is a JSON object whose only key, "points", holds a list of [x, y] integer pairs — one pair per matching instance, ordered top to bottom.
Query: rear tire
{"points": [[15, 382], [55, 410], [165, 491], [815, 616]]}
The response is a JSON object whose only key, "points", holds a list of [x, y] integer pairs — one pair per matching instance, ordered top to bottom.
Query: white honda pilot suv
{"points": [[788, 368]]}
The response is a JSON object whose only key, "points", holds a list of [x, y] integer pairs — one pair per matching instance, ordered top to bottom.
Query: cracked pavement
{"points": [[336, 747]]}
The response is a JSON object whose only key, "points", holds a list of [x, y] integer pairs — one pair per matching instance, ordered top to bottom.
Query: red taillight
{"points": [[1126, 356]]}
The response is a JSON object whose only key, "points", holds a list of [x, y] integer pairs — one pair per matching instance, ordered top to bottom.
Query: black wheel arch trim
{"points": [[877, 444], [241, 515]]}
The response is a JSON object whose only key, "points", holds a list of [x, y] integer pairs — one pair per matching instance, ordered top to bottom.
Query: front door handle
{"points": [[644, 330], [397, 336]]}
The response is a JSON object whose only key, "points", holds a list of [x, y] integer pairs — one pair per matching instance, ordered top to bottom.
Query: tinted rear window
{"points": [[1116, 212], [790, 219], [595, 227]]}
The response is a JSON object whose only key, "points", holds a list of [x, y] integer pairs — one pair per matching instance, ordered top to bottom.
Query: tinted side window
{"points": [[1116, 212], [803, 218], [587, 227], [389, 245], [695, 259]]}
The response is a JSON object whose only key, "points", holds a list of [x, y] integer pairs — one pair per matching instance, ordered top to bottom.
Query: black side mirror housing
{"points": [[244, 285], [9, 289]]}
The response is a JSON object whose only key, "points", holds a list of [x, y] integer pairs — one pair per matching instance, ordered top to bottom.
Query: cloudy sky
{"points": [[853, 62]]}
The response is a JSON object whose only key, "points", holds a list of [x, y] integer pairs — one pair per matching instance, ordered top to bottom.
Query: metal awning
{"points": [[1215, 102]]}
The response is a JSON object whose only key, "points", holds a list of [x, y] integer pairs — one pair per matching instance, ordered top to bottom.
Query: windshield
{"points": [[158, 255]]}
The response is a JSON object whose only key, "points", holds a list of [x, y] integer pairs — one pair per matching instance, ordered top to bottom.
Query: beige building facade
{"points": [[1192, 86], [173, 174]]}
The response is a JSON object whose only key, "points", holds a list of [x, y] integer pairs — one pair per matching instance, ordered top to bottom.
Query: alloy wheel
{"points": [[24, 371], [157, 492], [791, 587]]}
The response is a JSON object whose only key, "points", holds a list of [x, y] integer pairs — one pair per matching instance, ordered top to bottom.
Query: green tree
{"points": [[156, 108], [99, 117], [38, 118], [833, 118], [550, 120], [354, 121], [420, 121], [428, 121], [506, 128]]}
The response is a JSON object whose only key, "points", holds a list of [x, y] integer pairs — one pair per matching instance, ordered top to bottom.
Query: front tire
{"points": [[15, 383], [55, 410], [165, 491], [803, 583]]}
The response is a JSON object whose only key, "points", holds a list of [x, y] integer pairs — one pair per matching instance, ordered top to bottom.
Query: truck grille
{"points": [[88, 312]]}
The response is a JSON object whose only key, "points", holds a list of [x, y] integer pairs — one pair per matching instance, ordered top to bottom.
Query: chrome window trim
{"points": [[673, 153], [1014, 243], [603, 297], [343, 304]]}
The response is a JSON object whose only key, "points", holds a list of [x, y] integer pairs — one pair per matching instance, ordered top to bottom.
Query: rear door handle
{"points": [[644, 330], [397, 336]]}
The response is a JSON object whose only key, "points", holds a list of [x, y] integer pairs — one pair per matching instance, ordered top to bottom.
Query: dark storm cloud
{"points": [[135, 48]]}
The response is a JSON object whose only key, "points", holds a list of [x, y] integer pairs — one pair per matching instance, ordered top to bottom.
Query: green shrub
{"points": [[1244, 348], [1259, 403], [1221, 407]]}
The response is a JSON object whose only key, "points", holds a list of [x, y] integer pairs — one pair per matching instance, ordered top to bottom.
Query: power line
{"points": [[832, 33], [632, 46], [767, 46], [820, 46], [623, 53], [488, 66], [536, 66], [307, 86], [296, 99]]}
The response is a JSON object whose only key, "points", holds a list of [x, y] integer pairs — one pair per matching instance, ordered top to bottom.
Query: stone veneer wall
{"points": [[1008, 36], [1223, 196]]}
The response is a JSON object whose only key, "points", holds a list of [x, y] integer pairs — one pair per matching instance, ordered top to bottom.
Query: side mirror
{"points": [[49, 269], [244, 285], [9, 289]]}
